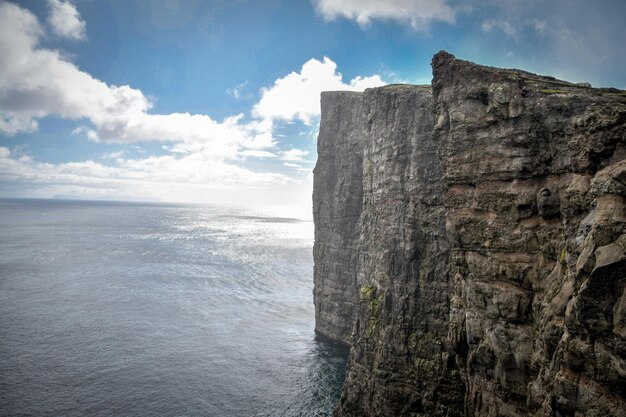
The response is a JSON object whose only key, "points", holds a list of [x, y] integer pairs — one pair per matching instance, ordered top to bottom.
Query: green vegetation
{"points": [[554, 91], [563, 256], [368, 291], [374, 307]]}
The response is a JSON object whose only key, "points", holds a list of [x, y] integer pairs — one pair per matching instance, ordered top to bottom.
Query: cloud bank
{"points": [[417, 13], [564, 38], [36, 82], [201, 152], [187, 179]]}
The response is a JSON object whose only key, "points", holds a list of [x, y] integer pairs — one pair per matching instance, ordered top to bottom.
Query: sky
{"points": [[217, 101]]}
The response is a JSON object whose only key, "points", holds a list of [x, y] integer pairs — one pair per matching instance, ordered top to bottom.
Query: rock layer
{"points": [[481, 265]]}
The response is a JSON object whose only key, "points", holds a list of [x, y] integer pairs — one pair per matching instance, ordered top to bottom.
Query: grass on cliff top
{"points": [[554, 91], [610, 93]]}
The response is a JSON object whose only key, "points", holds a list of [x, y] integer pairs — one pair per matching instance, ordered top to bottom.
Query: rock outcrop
{"points": [[472, 237]]}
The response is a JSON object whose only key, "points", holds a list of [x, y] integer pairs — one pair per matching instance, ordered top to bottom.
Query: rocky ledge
{"points": [[470, 244]]}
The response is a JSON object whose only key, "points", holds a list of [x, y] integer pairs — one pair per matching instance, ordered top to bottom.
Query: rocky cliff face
{"points": [[338, 197], [482, 266]]}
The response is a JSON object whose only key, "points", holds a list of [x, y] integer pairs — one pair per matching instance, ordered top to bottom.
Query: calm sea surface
{"points": [[122, 309]]}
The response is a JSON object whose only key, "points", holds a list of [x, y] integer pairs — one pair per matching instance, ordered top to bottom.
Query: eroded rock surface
{"points": [[487, 265]]}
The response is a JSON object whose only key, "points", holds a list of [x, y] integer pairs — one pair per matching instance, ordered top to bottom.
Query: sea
{"points": [[149, 309]]}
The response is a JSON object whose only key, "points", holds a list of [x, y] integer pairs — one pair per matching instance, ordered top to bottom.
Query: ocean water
{"points": [[122, 309]]}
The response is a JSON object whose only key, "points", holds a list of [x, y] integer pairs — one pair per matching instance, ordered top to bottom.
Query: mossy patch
{"points": [[563, 256], [368, 292]]}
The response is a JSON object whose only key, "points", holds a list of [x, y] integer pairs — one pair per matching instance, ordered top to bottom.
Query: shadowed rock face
{"points": [[337, 201], [487, 266]]}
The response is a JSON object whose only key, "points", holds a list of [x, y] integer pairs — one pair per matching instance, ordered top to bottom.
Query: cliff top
{"points": [[446, 68], [341, 92]]}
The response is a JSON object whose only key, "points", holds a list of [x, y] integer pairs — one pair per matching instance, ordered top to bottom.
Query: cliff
{"points": [[337, 204], [471, 245]]}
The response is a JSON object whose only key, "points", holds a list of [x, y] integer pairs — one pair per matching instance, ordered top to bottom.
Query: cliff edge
{"points": [[471, 245]]}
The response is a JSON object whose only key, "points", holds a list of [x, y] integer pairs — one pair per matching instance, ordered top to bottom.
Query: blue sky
{"points": [[218, 101]]}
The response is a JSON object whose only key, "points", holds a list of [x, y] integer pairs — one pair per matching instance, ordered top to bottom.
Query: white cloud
{"points": [[417, 13], [65, 20], [504, 25], [540, 26], [514, 29], [564, 38], [36, 82], [235, 92], [297, 95], [257, 154], [113, 155], [293, 155], [202, 158], [292, 165], [297, 167], [169, 177]]}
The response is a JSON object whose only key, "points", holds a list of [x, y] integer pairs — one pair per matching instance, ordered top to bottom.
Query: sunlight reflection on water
{"points": [[143, 310]]}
